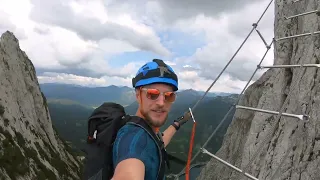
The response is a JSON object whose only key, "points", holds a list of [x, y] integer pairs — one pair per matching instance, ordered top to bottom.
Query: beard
{"points": [[153, 122]]}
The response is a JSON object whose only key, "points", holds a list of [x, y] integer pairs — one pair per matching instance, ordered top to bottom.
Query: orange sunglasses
{"points": [[153, 94]]}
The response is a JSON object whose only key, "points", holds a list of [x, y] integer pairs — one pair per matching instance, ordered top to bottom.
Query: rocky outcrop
{"points": [[299, 87], [29, 146]]}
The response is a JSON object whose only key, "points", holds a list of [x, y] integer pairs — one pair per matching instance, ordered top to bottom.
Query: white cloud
{"points": [[8, 18], [120, 26], [224, 34], [72, 41], [56, 48], [170, 63], [191, 76], [48, 77], [225, 83]]}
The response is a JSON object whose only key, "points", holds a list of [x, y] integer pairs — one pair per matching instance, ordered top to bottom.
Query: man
{"points": [[135, 153]]}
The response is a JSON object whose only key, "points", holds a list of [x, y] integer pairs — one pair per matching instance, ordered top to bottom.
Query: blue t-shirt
{"points": [[134, 142]]}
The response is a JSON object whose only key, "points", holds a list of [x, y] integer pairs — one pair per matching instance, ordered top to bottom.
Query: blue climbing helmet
{"points": [[155, 71]]}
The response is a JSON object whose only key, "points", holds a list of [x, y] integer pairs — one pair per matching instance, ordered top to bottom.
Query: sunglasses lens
{"points": [[153, 94], [170, 96]]}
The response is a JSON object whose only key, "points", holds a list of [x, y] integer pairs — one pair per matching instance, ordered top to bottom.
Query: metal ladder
{"points": [[299, 117]]}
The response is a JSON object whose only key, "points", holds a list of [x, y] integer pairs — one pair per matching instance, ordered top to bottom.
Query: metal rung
{"points": [[296, 1], [303, 14], [299, 35], [264, 41], [290, 66], [192, 115], [301, 117], [228, 164]]}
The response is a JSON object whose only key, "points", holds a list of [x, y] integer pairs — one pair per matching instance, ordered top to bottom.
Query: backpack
{"points": [[103, 125]]}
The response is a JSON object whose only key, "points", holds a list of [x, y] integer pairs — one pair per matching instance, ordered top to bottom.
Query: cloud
{"points": [[176, 10], [162, 13], [76, 16], [6, 24], [224, 36], [98, 43], [57, 49], [51, 77], [191, 79]]}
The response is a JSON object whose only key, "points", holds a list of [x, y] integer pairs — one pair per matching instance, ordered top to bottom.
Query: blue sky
{"points": [[100, 43], [180, 44]]}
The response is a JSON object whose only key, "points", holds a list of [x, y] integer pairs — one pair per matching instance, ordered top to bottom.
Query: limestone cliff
{"points": [[302, 89], [29, 146]]}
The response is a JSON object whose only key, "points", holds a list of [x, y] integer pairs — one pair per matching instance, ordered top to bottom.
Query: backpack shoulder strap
{"points": [[142, 123], [158, 139]]}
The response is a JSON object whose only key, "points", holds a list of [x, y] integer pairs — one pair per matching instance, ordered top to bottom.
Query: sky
{"points": [[104, 42]]}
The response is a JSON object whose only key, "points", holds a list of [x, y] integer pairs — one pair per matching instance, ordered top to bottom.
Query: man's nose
{"points": [[161, 100]]}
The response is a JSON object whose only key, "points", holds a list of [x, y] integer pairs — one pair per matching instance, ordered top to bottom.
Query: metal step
{"points": [[303, 14], [298, 35], [262, 38], [290, 66], [192, 115], [301, 117], [228, 164]]}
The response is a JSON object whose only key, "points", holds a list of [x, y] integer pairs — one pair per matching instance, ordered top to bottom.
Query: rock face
{"points": [[299, 87], [29, 146]]}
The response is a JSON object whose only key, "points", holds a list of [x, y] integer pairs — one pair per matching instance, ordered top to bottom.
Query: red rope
{"points": [[190, 150]]}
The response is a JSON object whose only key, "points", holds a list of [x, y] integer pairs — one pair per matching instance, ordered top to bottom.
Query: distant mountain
{"points": [[215, 94], [90, 96], [95, 96], [70, 120]]}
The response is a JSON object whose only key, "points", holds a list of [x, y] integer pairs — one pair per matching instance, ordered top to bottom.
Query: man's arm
{"points": [[171, 130], [168, 134], [129, 169]]}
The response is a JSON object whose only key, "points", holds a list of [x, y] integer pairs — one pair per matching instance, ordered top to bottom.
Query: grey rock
{"points": [[299, 87], [29, 146]]}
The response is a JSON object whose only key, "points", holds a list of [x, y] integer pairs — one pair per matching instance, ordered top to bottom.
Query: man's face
{"points": [[155, 110]]}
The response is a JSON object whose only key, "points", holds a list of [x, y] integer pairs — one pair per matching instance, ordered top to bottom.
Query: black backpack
{"points": [[103, 125]]}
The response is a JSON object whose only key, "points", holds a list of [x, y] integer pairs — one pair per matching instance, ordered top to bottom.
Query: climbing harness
{"points": [[303, 118]]}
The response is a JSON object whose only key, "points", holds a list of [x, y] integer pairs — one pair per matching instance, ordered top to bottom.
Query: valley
{"points": [[69, 113]]}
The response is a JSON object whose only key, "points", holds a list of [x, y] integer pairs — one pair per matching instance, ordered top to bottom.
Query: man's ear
{"points": [[137, 91]]}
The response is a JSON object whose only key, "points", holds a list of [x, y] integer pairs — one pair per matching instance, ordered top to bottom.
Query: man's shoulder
{"points": [[131, 128], [134, 136], [133, 142]]}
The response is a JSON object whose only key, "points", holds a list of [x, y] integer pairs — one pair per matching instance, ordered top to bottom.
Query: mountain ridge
{"points": [[95, 96], [31, 148]]}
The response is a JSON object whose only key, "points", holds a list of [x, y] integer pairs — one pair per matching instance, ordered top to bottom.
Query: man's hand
{"points": [[183, 119], [171, 130]]}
